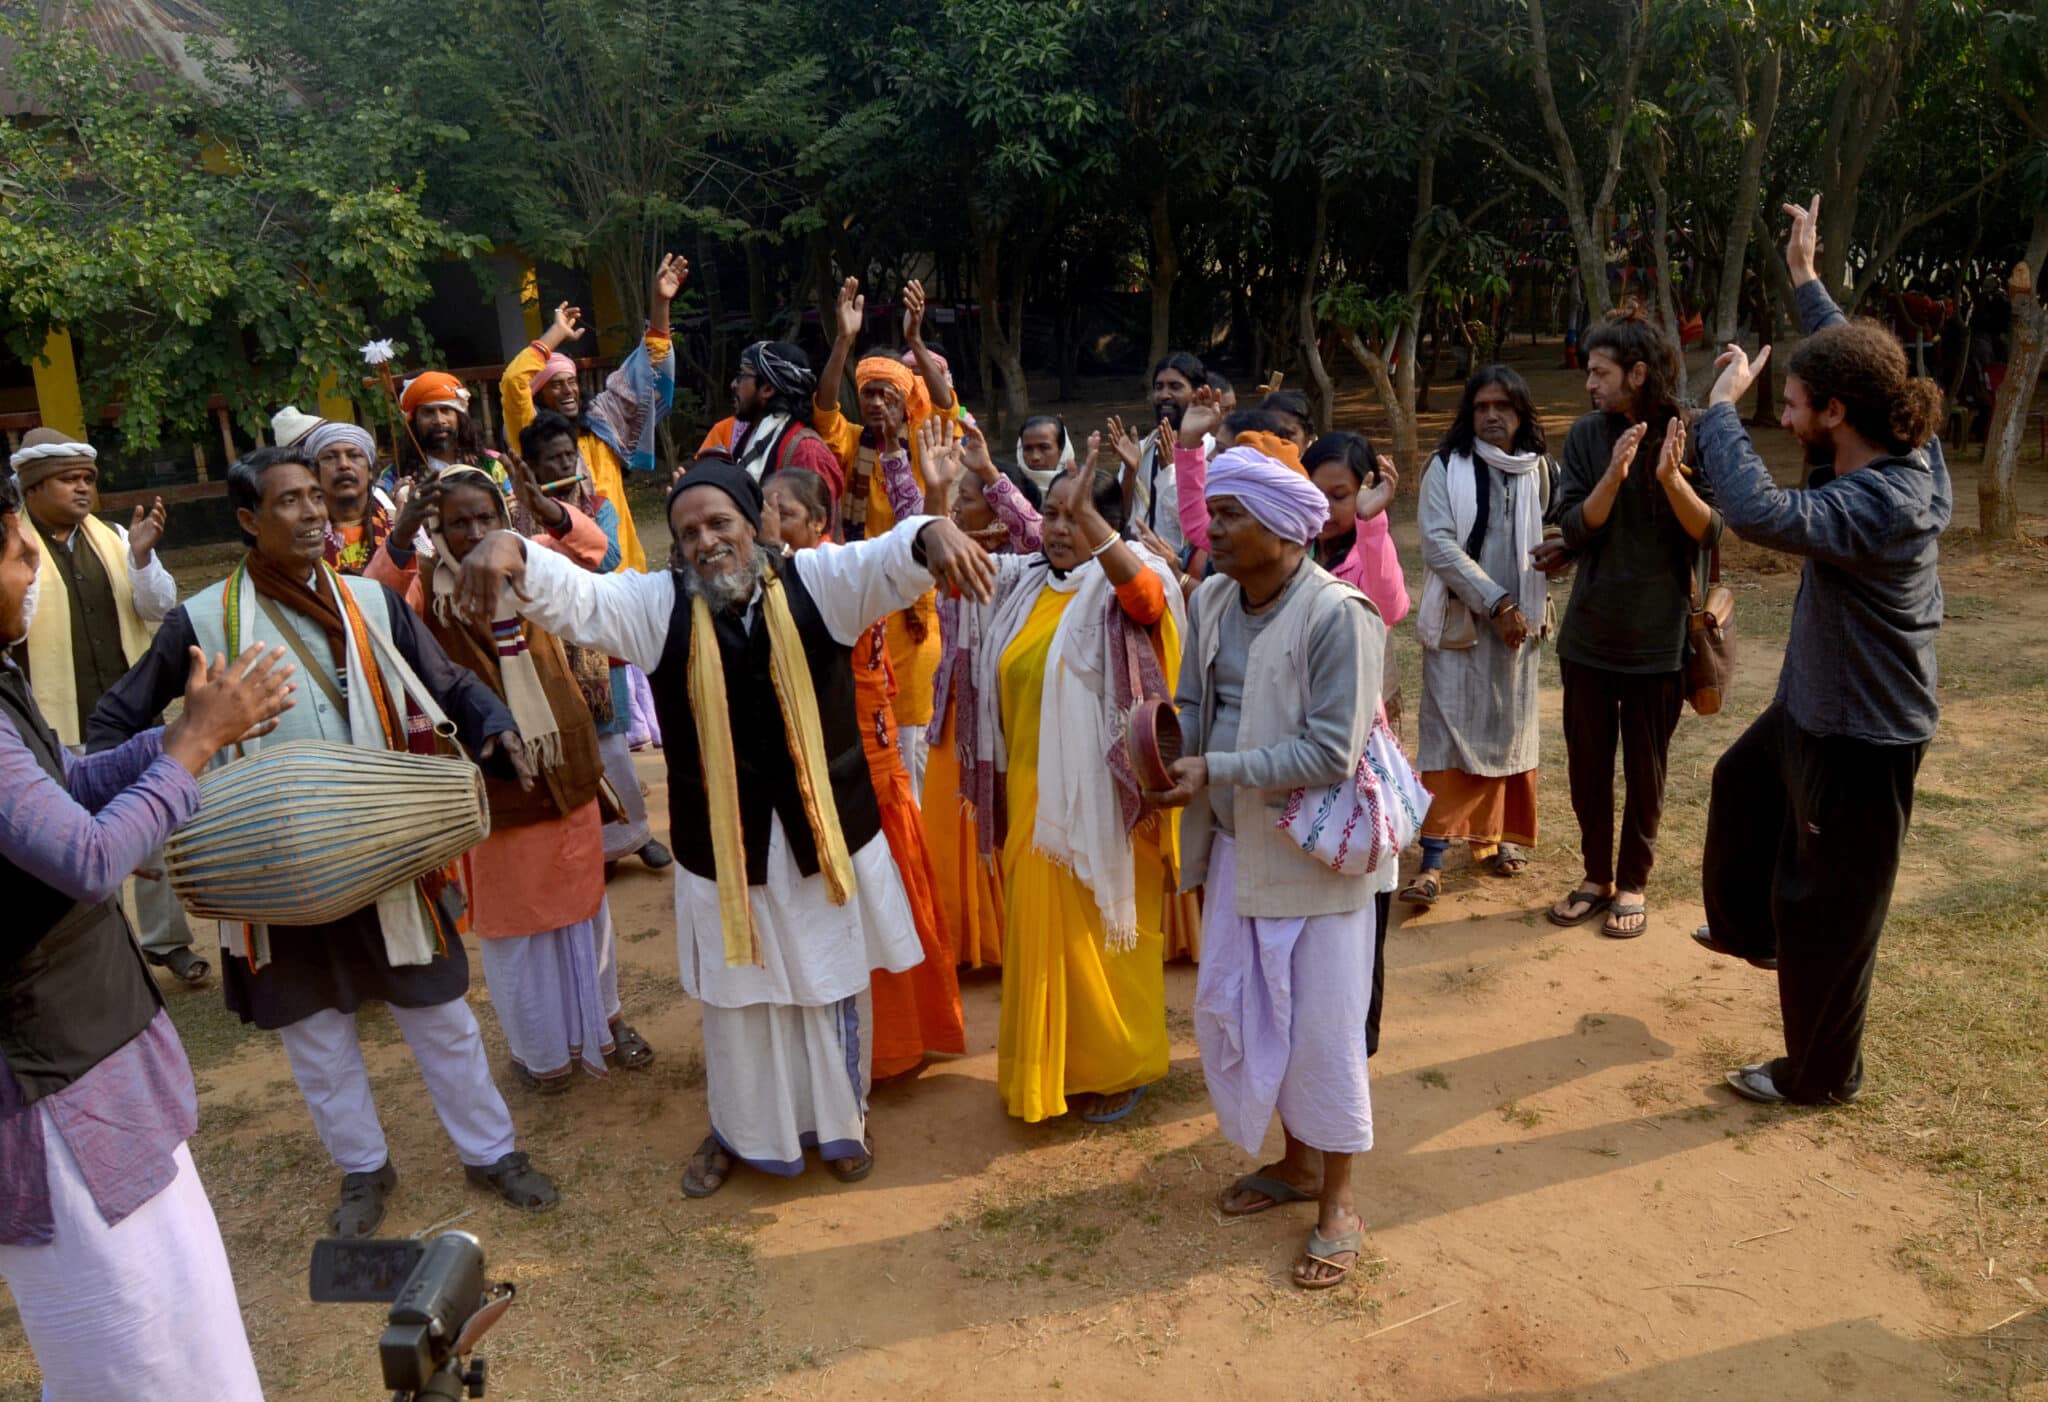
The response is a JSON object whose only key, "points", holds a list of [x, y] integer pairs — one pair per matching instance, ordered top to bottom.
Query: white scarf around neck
{"points": [[1525, 527]]}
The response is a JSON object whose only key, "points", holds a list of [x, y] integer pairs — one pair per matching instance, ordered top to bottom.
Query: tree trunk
{"points": [[1862, 107], [1748, 181], [1660, 254], [1165, 271], [1003, 350], [1325, 396], [1394, 398], [1998, 511]]}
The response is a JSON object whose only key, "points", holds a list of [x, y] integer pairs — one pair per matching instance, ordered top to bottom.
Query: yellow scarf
{"points": [[49, 637], [799, 702]]}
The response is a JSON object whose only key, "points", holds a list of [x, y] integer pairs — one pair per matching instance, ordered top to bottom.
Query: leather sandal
{"points": [[185, 966], [629, 1049], [517, 1181]]}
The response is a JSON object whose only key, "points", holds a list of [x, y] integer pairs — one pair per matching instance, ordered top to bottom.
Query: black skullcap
{"points": [[719, 471]]}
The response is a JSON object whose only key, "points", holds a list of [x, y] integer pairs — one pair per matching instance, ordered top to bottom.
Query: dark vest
{"points": [[97, 661], [760, 743], [73, 987]]}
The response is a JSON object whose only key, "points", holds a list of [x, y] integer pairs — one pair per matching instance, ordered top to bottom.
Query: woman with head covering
{"points": [[1044, 449], [1072, 639], [1278, 692], [536, 884]]}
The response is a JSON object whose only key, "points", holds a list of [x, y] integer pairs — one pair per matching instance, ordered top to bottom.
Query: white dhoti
{"points": [[913, 747], [628, 835], [555, 994], [1280, 1011], [787, 1043], [327, 1062], [143, 1309]]}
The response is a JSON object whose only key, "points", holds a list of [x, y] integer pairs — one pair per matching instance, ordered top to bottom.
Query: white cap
{"points": [[288, 425]]}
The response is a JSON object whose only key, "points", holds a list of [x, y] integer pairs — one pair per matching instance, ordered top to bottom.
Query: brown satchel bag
{"points": [[1709, 642]]}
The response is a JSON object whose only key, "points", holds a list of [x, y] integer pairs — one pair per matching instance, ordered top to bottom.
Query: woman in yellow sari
{"points": [[1075, 636]]}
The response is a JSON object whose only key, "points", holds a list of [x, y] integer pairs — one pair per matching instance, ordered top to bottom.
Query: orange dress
{"points": [[918, 1011]]}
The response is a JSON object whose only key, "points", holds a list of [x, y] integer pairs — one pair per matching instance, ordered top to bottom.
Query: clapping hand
{"points": [[1802, 245], [851, 313], [1738, 373], [1204, 417], [1122, 443], [1625, 451], [974, 452], [940, 453], [1094, 453], [1671, 460], [146, 531], [228, 702]]}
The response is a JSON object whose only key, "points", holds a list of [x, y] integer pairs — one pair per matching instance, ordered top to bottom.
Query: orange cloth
{"points": [[908, 384], [433, 387], [1281, 450], [1471, 808], [528, 880], [970, 890], [1181, 923], [918, 1011]]}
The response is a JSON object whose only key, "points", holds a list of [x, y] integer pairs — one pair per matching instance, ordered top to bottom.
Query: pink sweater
{"points": [[1373, 567]]}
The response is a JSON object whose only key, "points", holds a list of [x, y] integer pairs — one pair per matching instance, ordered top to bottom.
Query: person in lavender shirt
{"points": [[106, 1237]]}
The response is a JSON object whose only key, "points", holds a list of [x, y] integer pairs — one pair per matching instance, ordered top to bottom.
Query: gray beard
{"points": [[728, 589]]}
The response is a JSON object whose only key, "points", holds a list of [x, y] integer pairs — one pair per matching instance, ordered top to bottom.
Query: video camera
{"points": [[440, 1307]]}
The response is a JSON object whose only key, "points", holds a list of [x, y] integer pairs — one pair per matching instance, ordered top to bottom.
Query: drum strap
{"points": [[310, 665]]}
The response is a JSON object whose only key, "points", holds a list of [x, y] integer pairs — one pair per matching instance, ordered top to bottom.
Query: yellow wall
{"points": [[529, 299], [57, 398]]}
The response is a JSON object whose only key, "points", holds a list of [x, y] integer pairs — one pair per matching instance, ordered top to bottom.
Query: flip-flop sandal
{"points": [[1508, 861], [1414, 893], [1597, 903], [1622, 910], [185, 966], [629, 1049], [540, 1085], [1098, 1118], [707, 1154], [858, 1171], [517, 1181], [1276, 1192], [1322, 1248]]}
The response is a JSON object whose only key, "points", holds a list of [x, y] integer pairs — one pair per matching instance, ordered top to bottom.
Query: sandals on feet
{"points": [[1510, 860], [1424, 889], [1594, 901], [1626, 910], [1703, 936], [185, 966], [629, 1049], [542, 1085], [1110, 1117], [704, 1164], [857, 1171], [517, 1181], [1273, 1190], [362, 1201], [1324, 1251]]}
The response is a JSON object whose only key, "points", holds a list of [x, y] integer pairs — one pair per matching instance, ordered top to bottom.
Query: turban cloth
{"points": [[556, 366], [783, 366], [433, 387], [909, 387], [330, 433], [1281, 450], [45, 452], [728, 477], [1277, 496]]}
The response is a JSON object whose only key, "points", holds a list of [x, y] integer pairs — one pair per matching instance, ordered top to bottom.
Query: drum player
{"points": [[355, 641]]}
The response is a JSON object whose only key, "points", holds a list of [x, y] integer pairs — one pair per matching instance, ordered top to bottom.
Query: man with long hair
{"points": [[770, 425], [1481, 510], [1637, 530], [1810, 806]]}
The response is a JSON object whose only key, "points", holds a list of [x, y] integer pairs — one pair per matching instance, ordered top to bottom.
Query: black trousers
{"points": [[1602, 708], [1803, 840], [1384, 905]]}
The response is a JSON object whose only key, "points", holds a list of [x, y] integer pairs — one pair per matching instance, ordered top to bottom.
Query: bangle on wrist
{"points": [[1097, 552]]}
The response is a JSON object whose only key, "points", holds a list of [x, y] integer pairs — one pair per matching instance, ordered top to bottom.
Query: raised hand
{"points": [[1802, 245], [669, 279], [852, 311], [913, 312], [567, 326], [1738, 373], [1203, 417], [1163, 441], [1124, 444], [1625, 451], [974, 452], [940, 453], [1094, 453], [1671, 460], [1388, 473], [422, 501], [539, 504], [146, 531], [1150, 539], [956, 562], [226, 702], [513, 746]]}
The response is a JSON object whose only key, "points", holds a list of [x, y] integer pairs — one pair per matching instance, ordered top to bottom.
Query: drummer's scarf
{"points": [[799, 701], [412, 935]]}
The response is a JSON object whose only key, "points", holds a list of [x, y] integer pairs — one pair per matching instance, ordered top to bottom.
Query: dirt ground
{"points": [[1564, 1200]]}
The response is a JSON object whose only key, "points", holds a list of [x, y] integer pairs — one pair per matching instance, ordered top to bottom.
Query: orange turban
{"points": [[909, 386], [433, 387], [1281, 450]]}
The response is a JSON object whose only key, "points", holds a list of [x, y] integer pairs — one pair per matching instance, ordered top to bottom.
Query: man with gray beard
{"points": [[787, 898]]}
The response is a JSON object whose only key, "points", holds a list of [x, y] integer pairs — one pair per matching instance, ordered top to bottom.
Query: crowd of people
{"points": [[903, 692]]}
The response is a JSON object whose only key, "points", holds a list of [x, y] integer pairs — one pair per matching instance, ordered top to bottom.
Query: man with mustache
{"points": [[441, 435], [1150, 487], [359, 512], [103, 590], [364, 657], [788, 898]]}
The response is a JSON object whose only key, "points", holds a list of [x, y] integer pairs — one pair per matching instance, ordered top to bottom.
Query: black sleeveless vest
{"points": [[760, 743], [73, 987]]}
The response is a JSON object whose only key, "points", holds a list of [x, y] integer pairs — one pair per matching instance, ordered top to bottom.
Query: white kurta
{"points": [[787, 1042]]}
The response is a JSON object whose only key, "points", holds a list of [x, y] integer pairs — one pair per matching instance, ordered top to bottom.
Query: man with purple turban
{"points": [[1278, 687]]}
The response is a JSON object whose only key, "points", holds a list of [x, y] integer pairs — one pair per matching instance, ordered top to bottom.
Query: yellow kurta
{"points": [[1076, 1018]]}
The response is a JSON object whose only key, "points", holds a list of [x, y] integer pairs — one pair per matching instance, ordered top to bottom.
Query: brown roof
{"points": [[129, 29]]}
